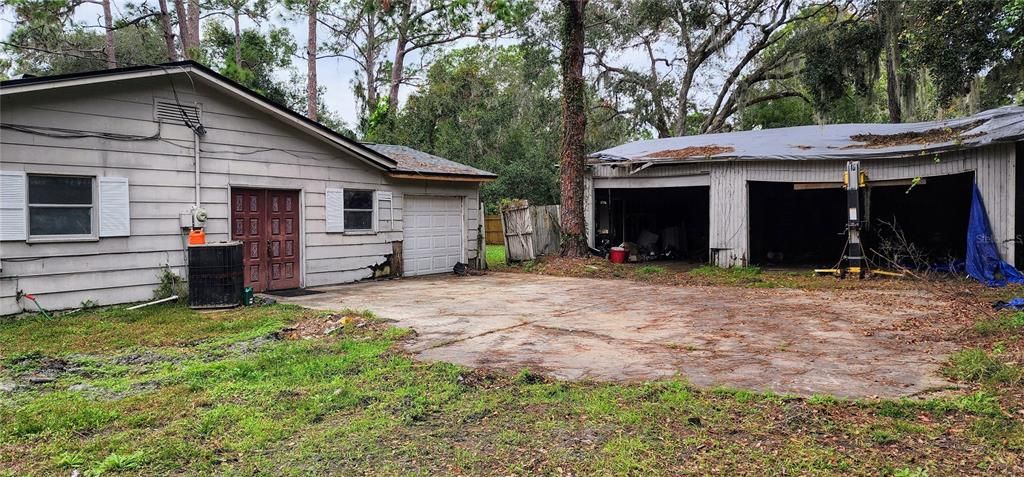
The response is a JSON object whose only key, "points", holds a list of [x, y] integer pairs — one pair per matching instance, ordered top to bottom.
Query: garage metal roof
{"points": [[834, 141]]}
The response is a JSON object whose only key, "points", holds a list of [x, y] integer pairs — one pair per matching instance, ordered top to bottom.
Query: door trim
{"points": [[302, 218]]}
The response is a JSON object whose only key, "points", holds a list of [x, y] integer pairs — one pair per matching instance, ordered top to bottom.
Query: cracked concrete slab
{"points": [[840, 342]]}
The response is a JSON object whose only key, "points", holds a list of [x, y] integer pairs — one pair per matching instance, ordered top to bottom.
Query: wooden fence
{"points": [[518, 228], [526, 231], [493, 234], [547, 235]]}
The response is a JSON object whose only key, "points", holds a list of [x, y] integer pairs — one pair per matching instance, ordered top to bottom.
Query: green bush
{"points": [[171, 284]]}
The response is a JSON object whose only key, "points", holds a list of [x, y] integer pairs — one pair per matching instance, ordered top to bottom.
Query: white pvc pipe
{"points": [[155, 302]]}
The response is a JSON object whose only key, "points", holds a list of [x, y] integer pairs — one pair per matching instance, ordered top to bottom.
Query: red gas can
{"points": [[196, 237], [617, 255]]}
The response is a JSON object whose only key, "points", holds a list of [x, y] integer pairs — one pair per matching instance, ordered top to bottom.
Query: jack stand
{"points": [[853, 262]]}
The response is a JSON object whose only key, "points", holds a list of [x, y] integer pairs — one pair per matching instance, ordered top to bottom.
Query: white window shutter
{"points": [[13, 200], [114, 207], [335, 209], [376, 211]]}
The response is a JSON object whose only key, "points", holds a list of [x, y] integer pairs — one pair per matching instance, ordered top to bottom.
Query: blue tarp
{"points": [[983, 261], [1013, 304]]}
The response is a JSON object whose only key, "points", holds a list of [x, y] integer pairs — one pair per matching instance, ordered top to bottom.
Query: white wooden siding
{"points": [[242, 148], [994, 168]]}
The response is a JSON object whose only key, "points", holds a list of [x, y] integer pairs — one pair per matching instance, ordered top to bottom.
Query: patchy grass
{"points": [[496, 257], [649, 270], [685, 274], [729, 276], [1000, 324], [117, 328], [977, 365], [167, 390]]}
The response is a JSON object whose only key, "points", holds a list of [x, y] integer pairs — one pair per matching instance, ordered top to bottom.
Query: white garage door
{"points": [[434, 232]]}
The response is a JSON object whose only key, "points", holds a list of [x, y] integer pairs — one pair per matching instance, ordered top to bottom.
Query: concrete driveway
{"points": [[845, 343]]}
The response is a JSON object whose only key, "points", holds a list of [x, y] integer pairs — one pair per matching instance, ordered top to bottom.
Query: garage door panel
{"points": [[434, 234]]}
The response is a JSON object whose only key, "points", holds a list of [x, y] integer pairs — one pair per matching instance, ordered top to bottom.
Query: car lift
{"points": [[853, 262]]}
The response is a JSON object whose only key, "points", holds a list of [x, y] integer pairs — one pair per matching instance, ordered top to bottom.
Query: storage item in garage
{"points": [[617, 255], [215, 275]]}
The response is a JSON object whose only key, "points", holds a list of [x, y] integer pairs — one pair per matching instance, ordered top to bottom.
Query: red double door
{"points": [[267, 224]]}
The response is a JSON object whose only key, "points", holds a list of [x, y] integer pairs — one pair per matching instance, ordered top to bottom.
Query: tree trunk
{"points": [[889, 17], [188, 18], [108, 23], [165, 23], [193, 29], [183, 35], [238, 38], [398, 62], [370, 63], [397, 70], [892, 87], [684, 97], [311, 106], [574, 125]]}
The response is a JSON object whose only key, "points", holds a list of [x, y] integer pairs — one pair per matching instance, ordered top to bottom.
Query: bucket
{"points": [[196, 237], [617, 255]]}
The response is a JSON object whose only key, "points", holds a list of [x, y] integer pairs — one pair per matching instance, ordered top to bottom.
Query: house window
{"points": [[60, 206], [358, 208]]}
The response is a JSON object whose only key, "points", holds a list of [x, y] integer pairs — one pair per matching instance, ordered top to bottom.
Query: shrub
{"points": [[170, 284]]}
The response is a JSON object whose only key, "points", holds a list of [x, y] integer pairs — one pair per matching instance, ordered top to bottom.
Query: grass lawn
{"points": [[496, 256], [165, 390]]}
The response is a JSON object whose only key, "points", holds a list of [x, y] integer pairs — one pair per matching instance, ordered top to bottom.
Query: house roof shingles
{"points": [[412, 161]]}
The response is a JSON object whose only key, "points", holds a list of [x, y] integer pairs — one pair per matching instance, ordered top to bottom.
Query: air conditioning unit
{"points": [[215, 277]]}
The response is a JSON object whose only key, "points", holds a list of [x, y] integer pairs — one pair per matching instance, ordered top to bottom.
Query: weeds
{"points": [[649, 270], [171, 284], [1000, 324], [976, 365], [349, 404]]}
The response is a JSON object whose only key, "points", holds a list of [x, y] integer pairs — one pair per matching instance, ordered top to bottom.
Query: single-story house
{"points": [[102, 174], [775, 196]]}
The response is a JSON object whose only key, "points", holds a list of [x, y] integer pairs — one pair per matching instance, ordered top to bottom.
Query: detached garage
{"points": [[104, 173], [777, 197]]}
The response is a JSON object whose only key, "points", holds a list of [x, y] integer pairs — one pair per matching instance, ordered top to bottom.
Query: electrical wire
{"points": [[197, 128], [63, 133]]}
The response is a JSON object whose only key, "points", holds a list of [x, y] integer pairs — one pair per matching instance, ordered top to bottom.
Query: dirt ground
{"points": [[848, 343]]}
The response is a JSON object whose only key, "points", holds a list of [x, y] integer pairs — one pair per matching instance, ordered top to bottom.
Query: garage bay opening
{"points": [[670, 223], [914, 223], [796, 225]]}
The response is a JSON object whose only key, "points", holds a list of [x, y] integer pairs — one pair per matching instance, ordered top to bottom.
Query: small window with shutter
{"points": [[60, 206], [350, 210], [358, 210]]}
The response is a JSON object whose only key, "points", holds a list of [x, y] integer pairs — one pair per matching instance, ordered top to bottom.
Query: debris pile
{"points": [[929, 136], [691, 151], [322, 326]]}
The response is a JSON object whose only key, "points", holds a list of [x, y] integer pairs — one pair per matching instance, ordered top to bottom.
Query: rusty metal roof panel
{"points": [[834, 141], [417, 162]]}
